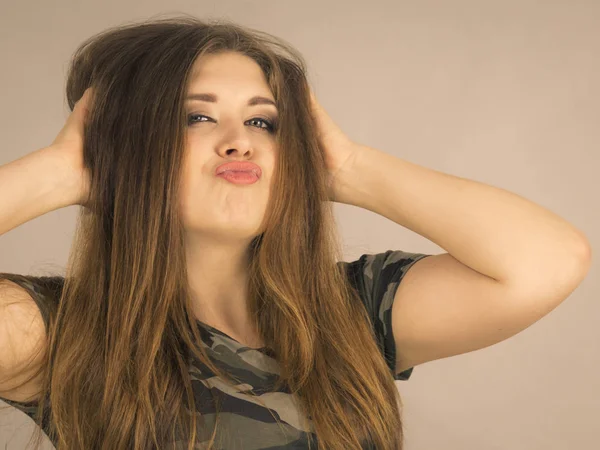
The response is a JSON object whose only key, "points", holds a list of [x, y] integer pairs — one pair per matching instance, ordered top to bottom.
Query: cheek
{"points": [[188, 184]]}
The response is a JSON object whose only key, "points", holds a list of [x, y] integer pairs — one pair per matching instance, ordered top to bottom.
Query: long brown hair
{"points": [[121, 331]]}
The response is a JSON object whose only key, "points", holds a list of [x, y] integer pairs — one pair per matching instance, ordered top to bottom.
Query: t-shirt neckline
{"points": [[222, 333]]}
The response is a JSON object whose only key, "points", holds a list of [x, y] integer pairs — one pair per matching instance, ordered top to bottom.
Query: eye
{"points": [[191, 116], [269, 125]]}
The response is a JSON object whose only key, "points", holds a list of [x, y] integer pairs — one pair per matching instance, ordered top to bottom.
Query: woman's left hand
{"points": [[340, 150]]}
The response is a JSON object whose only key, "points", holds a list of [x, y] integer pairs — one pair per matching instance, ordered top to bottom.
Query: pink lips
{"points": [[239, 167]]}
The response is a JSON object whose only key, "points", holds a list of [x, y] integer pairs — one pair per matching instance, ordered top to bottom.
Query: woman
{"points": [[205, 274]]}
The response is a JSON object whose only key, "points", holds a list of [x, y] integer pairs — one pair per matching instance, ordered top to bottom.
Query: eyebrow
{"points": [[209, 97]]}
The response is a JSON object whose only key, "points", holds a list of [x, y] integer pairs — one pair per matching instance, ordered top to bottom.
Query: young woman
{"points": [[204, 301]]}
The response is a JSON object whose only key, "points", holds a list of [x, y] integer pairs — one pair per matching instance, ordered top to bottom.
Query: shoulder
{"points": [[26, 304]]}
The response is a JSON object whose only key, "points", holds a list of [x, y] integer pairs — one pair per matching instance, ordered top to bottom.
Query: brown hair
{"points": [[121, 332]]}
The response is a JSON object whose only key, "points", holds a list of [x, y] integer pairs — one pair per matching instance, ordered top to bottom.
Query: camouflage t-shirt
{"points": [[244, 422]]}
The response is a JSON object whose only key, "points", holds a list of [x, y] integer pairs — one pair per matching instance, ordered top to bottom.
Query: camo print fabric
{"points": [[247, 422]]}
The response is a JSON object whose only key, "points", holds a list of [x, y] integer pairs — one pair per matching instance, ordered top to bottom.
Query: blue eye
{"points": [[269, 126]]}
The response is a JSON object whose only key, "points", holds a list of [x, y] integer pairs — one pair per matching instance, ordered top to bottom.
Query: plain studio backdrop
{"points": [[505, 92]]}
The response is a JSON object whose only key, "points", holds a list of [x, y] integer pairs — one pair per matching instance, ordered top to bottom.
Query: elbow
{"points": [[556, 278]]}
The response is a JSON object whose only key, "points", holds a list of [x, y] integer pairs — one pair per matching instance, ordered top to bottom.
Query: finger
{"points": [[85, 99], [83, 105]]}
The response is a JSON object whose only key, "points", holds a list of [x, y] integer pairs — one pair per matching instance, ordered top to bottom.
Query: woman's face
{"points": [[223, 130]]}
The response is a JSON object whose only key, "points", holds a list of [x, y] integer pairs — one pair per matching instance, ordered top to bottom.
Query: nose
{"points": [[236, 140]]}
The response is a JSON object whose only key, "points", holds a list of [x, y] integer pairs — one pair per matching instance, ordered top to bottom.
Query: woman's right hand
{"points": [[69, 145]]}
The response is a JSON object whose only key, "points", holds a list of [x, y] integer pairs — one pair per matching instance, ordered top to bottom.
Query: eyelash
{"points": [[270, 126]]}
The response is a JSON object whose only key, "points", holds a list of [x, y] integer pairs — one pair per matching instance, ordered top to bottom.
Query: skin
{"points": [[222, 218]]}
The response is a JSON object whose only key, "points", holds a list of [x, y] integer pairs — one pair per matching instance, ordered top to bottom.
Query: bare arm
{"points": [[32, 186]]}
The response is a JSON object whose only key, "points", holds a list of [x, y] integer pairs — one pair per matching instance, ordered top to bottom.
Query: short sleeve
{"points": [[376, 277], [28, 408]]}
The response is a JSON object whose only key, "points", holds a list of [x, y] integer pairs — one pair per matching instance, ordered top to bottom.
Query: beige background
{"points": [[503, 92]]}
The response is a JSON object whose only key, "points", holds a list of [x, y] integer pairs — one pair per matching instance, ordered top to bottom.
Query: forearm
{"points": [[31, 186], [493, 231]]}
